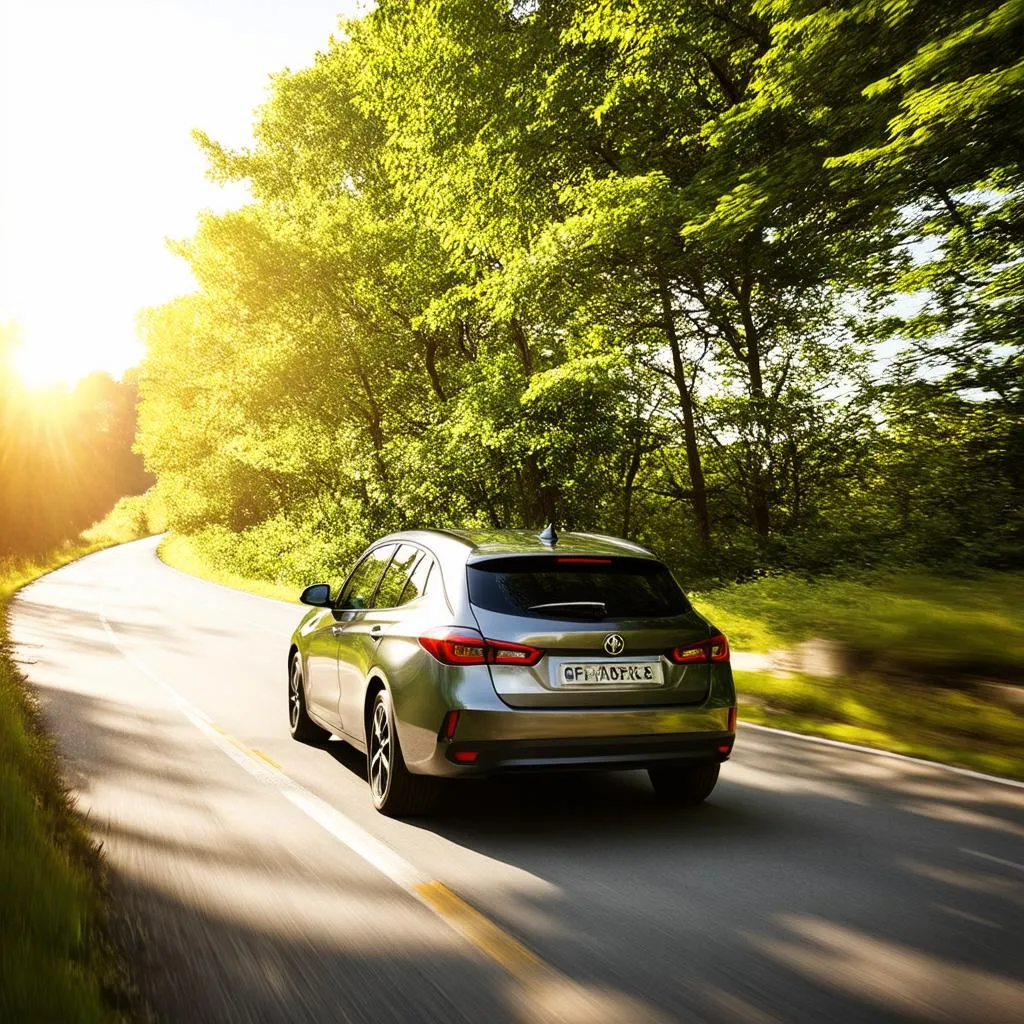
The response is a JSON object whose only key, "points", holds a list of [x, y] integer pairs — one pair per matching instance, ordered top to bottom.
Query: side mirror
{"points": [[318, 595]]}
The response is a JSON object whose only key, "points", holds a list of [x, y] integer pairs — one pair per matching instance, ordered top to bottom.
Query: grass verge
{"points": [[179, 552], [904, 622], [901, 636], [939, 724], [56, 960]]}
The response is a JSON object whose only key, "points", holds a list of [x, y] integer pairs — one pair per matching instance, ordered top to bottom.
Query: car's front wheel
{"points": [[302, 727], [684, 785], [396, 792]]}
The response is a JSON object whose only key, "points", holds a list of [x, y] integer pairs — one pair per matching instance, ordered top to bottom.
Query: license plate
{"points": [[610, 673]]}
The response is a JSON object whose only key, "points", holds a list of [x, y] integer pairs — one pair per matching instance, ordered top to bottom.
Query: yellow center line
{"points": [[269, 760], [479, 930]]}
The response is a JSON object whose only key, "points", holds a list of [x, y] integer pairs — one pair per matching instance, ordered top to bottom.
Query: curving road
{"points": [[258, 884]]}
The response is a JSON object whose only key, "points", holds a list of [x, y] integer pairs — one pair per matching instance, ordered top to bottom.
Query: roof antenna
{"points": [[548, 535]]}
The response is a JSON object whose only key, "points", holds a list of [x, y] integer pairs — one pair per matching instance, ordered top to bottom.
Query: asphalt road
{"points": [[258, 884]]}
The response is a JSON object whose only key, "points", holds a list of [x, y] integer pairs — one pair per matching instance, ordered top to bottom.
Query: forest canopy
{"points": [[739, 280]]}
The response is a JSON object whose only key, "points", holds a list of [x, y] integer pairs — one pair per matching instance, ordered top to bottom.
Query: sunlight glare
{"points": [[64, 357]]}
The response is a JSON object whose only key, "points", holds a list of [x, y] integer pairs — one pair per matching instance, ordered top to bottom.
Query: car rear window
{"points": [[576, 588]]}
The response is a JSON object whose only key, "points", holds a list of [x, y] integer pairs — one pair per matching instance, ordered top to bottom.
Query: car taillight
{"points": [[455, 646], [467, 647], [715, 648], [500, 652], [732, 718]]}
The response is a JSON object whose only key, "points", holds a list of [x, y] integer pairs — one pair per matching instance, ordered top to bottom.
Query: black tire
{"points": [[301, 726], [684, 785], [395, 791]]}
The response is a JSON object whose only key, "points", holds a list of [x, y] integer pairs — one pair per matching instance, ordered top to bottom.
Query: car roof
{"points": [[477, 544]]}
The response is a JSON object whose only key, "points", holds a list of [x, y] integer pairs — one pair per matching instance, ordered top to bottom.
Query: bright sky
{"points": [[97, 166]]}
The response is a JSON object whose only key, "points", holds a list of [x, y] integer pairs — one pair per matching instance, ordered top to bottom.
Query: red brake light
{"points": [[455, 646], [461, 646], [715, 648], [732, 718], [450, 724], [465, 756]]}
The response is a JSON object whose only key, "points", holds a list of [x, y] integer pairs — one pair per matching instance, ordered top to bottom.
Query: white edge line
{"points": [[823, 741], [995, 860]]}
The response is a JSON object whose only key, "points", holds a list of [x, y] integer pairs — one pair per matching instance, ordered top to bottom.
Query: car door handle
{"points": [[337, 630], [376, 632]]}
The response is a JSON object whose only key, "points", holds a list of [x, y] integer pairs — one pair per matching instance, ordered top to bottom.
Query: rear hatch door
{"points": [[605, 627]]}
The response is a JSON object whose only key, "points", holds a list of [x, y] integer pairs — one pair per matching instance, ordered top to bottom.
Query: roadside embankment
{"points": [[180, 553], [918, 664], [56, 960]]}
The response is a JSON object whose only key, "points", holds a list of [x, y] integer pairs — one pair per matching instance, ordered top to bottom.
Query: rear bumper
{"points": [[515, 741]]}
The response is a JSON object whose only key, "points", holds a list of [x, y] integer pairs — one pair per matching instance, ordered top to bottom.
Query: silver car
{"points": [[459, 653]]}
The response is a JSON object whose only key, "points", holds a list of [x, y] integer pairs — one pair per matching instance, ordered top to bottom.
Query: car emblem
{"points": [[614, 644]]}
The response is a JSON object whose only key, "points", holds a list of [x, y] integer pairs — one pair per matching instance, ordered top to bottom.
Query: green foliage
{"points": [[624, 266], [134, 517], [200, 554]]}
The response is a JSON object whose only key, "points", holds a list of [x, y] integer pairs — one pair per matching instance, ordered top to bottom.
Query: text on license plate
{"points": [[619, 673]]}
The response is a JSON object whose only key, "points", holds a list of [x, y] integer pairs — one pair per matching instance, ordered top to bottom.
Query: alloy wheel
{"points": [[295, 695], [380, 753]]}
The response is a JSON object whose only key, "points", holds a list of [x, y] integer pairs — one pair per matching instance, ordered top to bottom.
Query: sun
{"points": [[62, 358], [36, 368]]}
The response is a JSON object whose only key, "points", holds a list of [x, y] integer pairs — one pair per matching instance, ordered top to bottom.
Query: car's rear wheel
{"points": [[302, 727], [684, 785], [395, 791]]}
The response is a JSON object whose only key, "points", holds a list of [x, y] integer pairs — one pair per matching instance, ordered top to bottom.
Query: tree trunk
{"points": [[522, 346], [430, 347], [698, 489], [627, 492], [538, 499], [759, 504]]}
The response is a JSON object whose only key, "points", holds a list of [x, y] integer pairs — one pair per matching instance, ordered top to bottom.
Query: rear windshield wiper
{"points": [[594, 609]]}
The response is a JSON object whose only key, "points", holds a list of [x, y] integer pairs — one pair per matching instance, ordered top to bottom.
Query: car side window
{"points": [[417, 582], [359, 589], [389, 593]]}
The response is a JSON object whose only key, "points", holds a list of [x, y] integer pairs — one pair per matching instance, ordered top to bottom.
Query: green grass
{"points": [[179, 552], [903, 622], [902, 634], [945, 725], [56, 963]]}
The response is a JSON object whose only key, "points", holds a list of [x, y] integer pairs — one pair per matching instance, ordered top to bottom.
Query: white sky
{"points": [[97, 167]]}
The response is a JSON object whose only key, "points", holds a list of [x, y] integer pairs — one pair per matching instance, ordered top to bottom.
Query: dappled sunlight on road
{"points": [[794, 784], [962, 816], [1005, 890], [889, 974]]}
